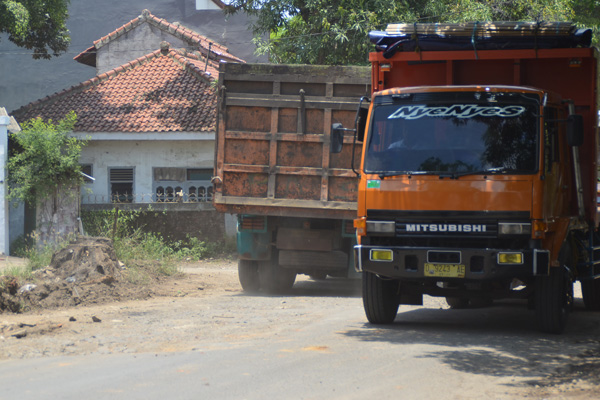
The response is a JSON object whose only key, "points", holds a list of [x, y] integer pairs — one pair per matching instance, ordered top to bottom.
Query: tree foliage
{"points": [[38, 25], [336, 31], [43, 158]]}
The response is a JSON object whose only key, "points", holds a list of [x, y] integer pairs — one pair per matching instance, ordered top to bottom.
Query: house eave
{"points": [[144, 136]]}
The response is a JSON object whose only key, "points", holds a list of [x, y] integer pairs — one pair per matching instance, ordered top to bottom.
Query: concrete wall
{"points": [[90, 20], [143, 156], [206, 225]]}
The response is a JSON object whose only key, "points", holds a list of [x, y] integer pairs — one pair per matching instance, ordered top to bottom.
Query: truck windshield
{"points": [[453, 132]]}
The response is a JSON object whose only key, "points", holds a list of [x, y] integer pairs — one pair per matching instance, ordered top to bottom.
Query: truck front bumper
{"points": [[473, 264]]}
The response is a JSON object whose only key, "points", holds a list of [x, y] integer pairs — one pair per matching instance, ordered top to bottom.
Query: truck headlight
{"points": [[381, 227], [514, 228]]}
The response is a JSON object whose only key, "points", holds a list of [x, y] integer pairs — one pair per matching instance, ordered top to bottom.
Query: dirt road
{"points": [[199, 323]]}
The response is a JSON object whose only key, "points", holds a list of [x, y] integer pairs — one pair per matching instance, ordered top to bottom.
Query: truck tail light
{"points": [[252, 223]]}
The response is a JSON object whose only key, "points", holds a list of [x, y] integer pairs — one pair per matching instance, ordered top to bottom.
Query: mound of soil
{"points": [[85, 272]]}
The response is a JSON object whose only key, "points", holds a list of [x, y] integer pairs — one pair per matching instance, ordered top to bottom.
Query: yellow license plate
{"points": [[445, 270]]}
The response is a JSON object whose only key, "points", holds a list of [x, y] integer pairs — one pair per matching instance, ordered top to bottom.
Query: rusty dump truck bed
{"points": [[273, 137]]}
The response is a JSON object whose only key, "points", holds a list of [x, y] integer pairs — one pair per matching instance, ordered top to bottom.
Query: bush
{"points": [[133, 246]]}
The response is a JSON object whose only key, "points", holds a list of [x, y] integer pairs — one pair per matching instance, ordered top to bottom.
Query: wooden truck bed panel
{"points": [[273, 138]]}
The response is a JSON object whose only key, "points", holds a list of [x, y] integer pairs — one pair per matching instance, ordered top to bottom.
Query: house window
{"points": [[88, 172], [182, 184], [121, 185]]}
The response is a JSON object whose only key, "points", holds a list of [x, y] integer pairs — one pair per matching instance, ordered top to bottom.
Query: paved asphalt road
{"points": [[314, 344]]}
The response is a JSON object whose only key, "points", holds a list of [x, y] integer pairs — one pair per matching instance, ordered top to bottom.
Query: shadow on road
{"points": [[330, 287], [499, 341]]}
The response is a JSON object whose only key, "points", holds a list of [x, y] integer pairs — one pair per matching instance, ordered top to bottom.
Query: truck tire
{"points": [[248, 275], [318, 276], [273, 278], [590, 289], [380, 298], [553, 300], [457, 303]]}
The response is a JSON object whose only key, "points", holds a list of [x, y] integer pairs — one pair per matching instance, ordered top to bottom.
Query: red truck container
{"points": [[479, 170]]}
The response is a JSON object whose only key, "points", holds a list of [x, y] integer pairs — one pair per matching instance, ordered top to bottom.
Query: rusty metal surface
{"points": [[272, 154]]}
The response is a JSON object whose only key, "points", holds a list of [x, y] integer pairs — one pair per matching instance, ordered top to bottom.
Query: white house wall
{"points": [[143, 156]]}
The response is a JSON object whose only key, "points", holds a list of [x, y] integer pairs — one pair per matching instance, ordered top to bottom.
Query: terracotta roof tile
{"points": [[201, 43], [159, 92]]}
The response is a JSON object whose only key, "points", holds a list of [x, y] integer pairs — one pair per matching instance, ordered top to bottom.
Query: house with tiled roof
{"points": [[90, 20], [141, 35], [149, 123]]}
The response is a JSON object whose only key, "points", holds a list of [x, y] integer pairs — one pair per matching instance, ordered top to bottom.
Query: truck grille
{"points": [[447, 228]]}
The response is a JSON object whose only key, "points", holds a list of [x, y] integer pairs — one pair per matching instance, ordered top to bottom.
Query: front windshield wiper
{"points": [[385, 174], [442, 175], [456, 175]]}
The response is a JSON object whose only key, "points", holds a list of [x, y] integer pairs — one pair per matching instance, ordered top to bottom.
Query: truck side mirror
{"points": [[575, 130], [337, 138]]}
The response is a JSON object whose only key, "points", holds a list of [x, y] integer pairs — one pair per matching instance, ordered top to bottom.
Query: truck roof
{"points": [[479, 36], [553, 97]]}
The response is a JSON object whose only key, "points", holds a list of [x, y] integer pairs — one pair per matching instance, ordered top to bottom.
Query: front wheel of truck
{"points": [[248, 275], [273, 278], [380, 298], [553, 300], [457, 303]]}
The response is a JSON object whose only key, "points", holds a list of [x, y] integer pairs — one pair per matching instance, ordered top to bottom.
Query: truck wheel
{"points": [[248, 275], [318, 276], [273, 278], [590, 289], [380, 298], [553, 300], [457, 303]]}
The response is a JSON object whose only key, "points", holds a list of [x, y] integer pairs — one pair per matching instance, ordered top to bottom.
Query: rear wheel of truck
{"points": [[248, 275], [318, 276], [273, 278], [590, 289], [380, 298], [553, 300]]}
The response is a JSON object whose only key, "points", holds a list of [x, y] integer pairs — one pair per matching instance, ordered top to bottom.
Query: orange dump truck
{"points": [[479, 169], [295, 201]]}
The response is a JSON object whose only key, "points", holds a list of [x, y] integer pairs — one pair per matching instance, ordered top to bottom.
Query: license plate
{"points": [[445, 270]]}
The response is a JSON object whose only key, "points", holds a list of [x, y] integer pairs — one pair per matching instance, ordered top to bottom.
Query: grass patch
{"points": [[145, 255], [21, 272]]}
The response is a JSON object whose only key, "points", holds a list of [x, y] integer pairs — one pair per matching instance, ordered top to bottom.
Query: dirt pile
{"points": [[85, 272]]}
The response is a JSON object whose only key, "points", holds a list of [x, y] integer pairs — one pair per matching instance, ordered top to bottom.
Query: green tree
{"points": [[38, 25], [336, 31], [43, 158]]}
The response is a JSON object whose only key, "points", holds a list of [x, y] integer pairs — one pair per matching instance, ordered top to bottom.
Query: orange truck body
{"points": [[571, 73], [441, 233]]}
